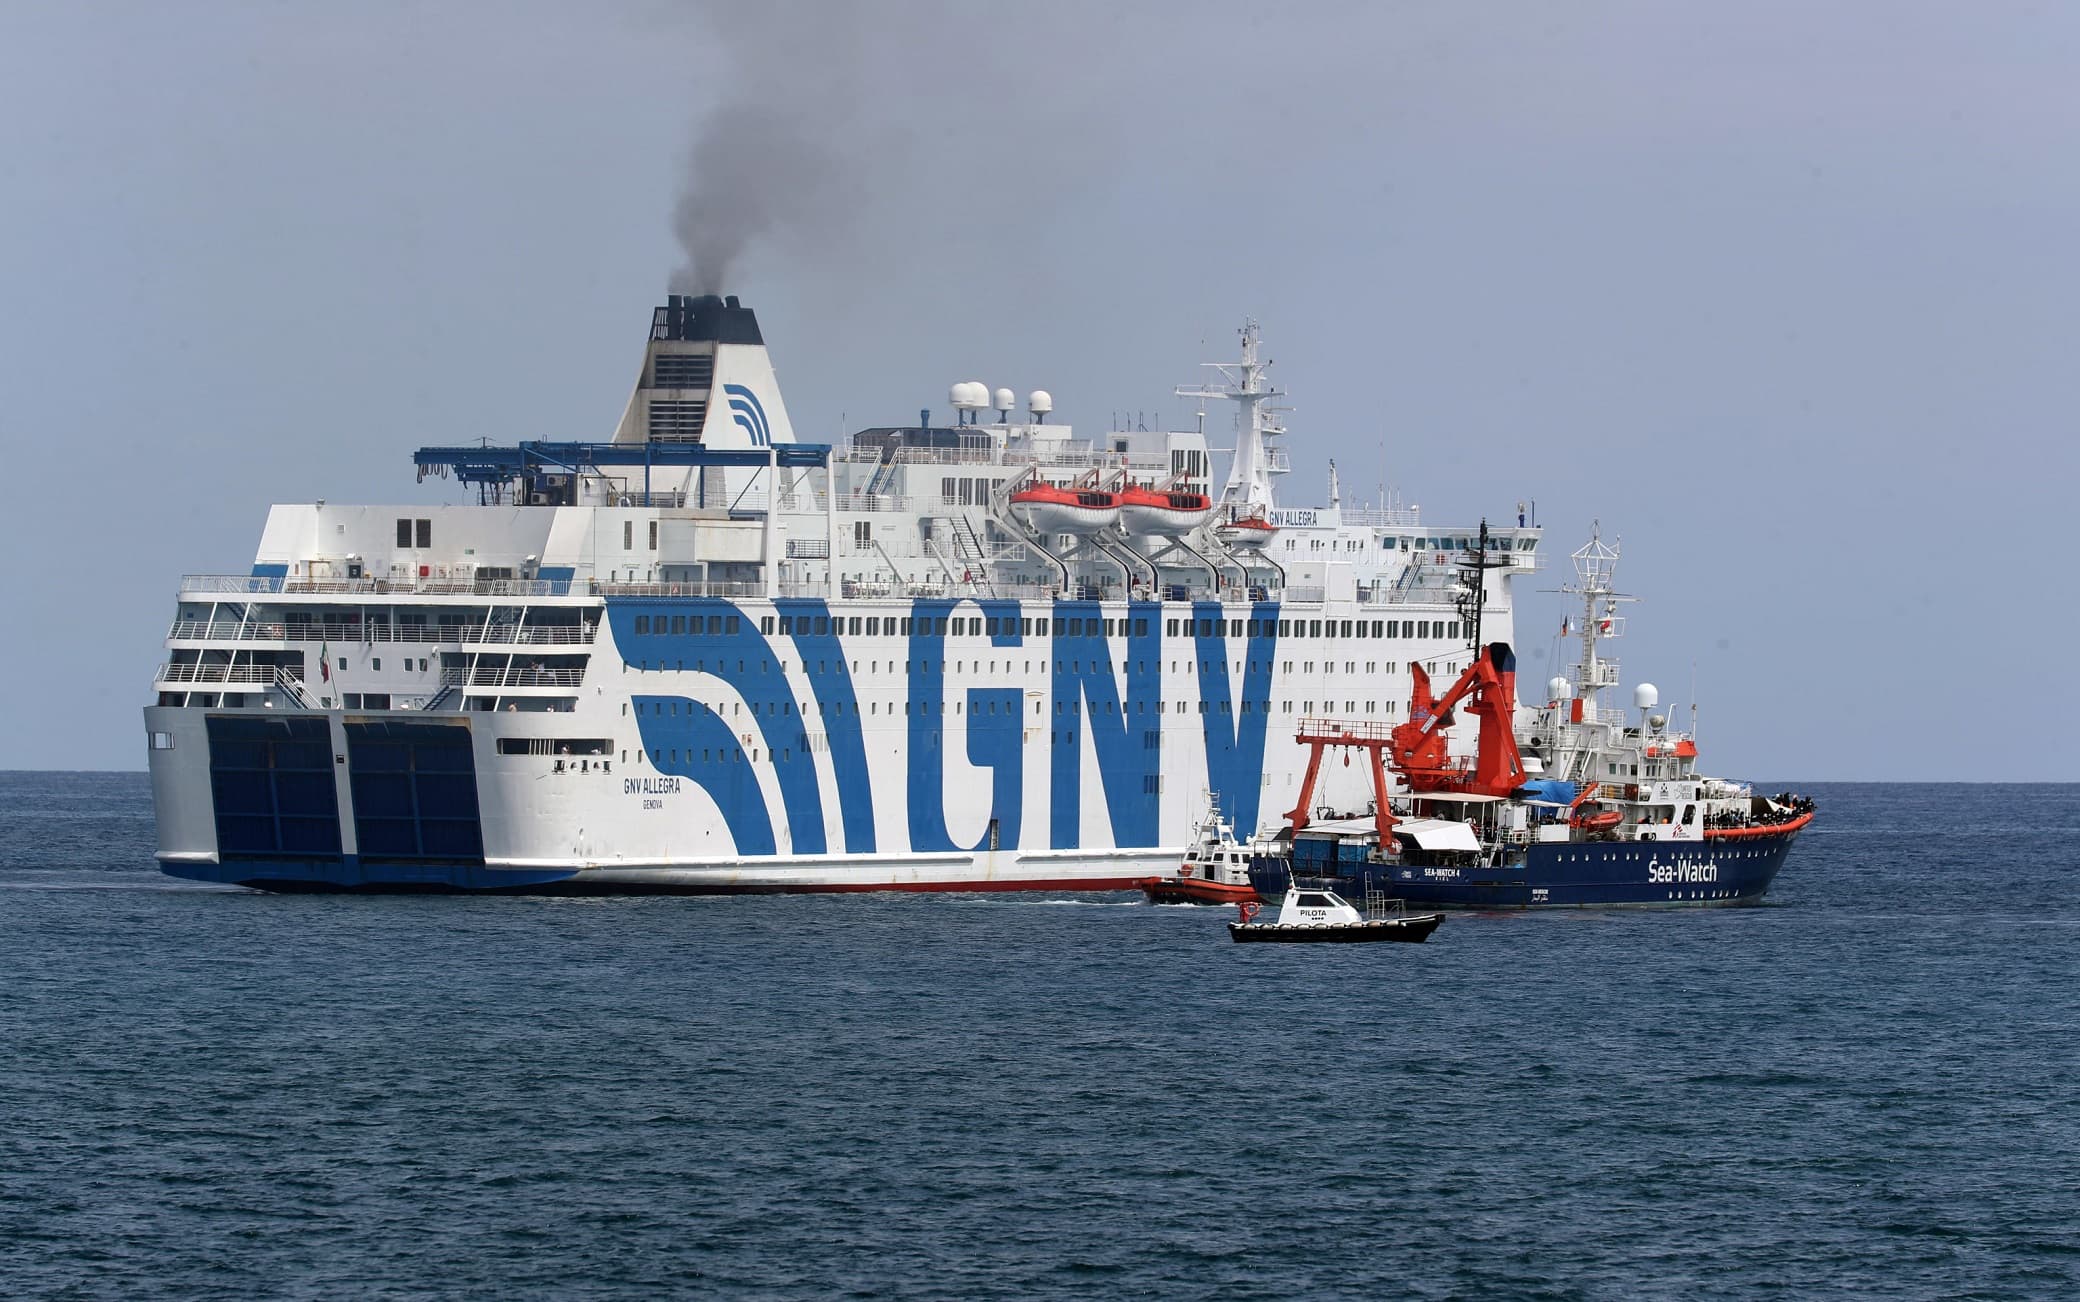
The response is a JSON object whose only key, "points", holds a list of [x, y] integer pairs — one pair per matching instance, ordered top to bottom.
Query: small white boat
{"points": [[1215, 869], [1309, 915]]}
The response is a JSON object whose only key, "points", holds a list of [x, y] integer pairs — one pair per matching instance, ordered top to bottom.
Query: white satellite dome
{"points": [[969, 395], [1005, 400], [1040, 402], [1559, 689], [1645, 696]]}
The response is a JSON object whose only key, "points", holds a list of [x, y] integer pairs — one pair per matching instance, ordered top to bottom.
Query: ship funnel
{"points": [[706, 379]]}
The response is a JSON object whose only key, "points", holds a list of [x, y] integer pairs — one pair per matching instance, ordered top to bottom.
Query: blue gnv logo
{"points": [[745, 407]]}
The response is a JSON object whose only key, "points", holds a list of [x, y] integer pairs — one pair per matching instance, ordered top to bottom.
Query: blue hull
{"points": [[350, 873], [1597, 874]]}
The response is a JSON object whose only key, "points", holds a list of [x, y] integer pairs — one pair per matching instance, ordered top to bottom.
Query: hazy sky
{"points": [[1785, 293]]}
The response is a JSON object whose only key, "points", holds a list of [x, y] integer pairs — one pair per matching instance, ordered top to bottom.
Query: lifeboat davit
{"points": [[1048, 508], [1161, 511], [1254, 532]]}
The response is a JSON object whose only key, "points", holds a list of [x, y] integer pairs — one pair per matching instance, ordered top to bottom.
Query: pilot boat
{"points": [[1316, 916]]}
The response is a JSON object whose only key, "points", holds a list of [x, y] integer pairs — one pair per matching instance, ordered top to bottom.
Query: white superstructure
{"points": [[700, 655]]}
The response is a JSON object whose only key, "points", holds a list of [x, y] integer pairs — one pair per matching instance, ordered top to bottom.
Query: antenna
{"points": [[1473, 585]]}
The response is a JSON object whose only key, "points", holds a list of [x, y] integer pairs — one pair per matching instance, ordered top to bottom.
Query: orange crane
{"points": [[1418, 746]]}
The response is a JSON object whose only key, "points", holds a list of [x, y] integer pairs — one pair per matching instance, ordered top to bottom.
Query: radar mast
{"points": [[1257, 425]]}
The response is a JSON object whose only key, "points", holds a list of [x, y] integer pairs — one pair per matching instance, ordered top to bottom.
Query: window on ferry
{"points": [[424, 531], [404, 533], [862, 533], [628, 535], [653, 535], [765, 625], [786, 625], [939, 628], [1314, 628], [376, 664]]}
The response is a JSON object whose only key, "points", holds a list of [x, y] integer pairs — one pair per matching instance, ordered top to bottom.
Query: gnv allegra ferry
{"points": [[699, 655]]}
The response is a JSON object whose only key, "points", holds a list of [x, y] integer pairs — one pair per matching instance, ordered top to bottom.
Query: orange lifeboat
{"points": [[1049, 508], [1161, 512], [1252, 532]]}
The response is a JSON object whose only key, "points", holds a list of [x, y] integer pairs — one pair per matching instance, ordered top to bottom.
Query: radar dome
{"points": [[970, 395], [1005, 400], [1040, 402], [1559, 689], [1646, 696]]}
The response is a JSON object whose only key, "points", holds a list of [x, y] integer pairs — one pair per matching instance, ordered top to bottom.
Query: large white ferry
{"points": [[701, 656]]}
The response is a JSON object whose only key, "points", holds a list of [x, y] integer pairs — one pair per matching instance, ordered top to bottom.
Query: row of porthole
{"points": [[1633, 856]]}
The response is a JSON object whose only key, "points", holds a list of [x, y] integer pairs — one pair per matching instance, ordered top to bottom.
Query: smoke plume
{"points": [[856, 137], [777, 156]]}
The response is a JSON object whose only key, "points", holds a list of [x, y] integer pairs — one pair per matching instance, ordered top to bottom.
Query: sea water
{"points": [[1866, 1085]]}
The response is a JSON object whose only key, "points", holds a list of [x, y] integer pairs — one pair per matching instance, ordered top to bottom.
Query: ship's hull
{"points": [[964, 746], [1597, 874], [355, 875]]}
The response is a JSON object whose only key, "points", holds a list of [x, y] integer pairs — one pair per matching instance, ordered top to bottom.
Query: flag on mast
{"points": [[325, 661]]}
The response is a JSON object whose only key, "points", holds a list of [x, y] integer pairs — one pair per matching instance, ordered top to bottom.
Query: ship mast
{"points": [[1257, 458], [1595, 569], [1472, 596]]}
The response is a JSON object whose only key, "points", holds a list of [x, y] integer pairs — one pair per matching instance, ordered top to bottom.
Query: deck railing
{"points": [[260, 585], [349, 634], [218, 673], [520, 677]]}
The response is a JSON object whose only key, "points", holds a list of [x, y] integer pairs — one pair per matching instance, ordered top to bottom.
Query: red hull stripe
{"points": [[855, 888]]}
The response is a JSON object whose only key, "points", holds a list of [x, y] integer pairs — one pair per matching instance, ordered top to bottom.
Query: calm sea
{"points": [[1866, 1086]]}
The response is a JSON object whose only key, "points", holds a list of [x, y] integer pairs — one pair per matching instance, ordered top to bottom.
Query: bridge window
{"points": [[424, 530]]}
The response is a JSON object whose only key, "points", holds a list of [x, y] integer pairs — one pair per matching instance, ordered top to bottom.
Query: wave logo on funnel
{"points": [[749, 414]]}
